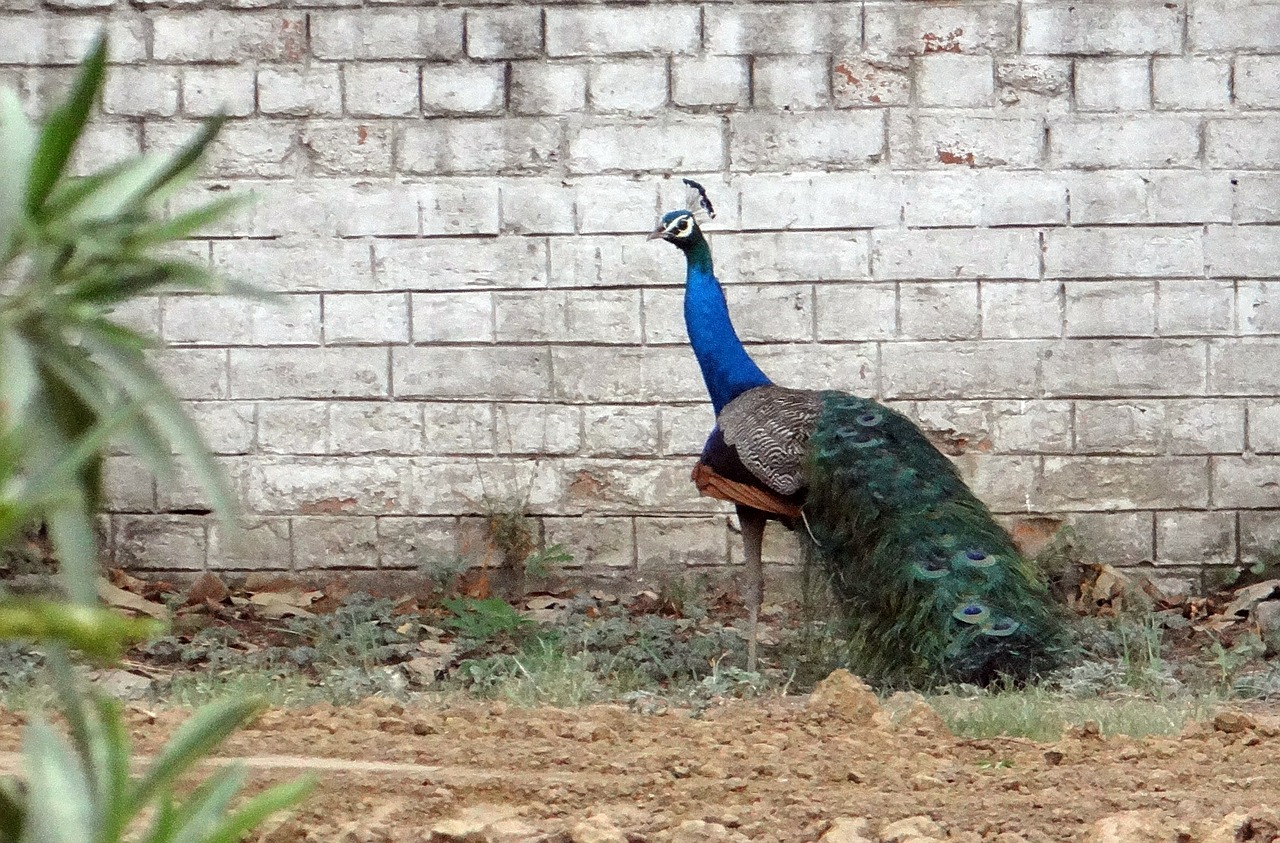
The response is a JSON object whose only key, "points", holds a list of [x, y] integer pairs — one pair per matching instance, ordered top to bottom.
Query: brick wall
{"points": [[1050, 228]]}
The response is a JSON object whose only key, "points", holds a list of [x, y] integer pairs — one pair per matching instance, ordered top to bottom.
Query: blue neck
{"points": [[726, 367]]}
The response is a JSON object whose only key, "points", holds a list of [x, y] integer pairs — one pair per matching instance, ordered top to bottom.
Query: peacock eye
{"points": [[870, 418], [1002, 627]]}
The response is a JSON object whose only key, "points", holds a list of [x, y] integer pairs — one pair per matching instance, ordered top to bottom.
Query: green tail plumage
{"points": [[931, 586]]}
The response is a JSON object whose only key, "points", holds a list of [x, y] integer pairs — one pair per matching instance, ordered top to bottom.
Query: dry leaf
{"points": [[121, 599]]}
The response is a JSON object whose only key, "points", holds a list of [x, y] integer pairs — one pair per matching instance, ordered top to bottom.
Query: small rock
{"points": [[122, 684], [845, 696], [1232, 722], [1053, 757], [1260, 823], [478, 824], [1148, 826], [598, 828], [909, 828], [847, 830], [701, 831]]}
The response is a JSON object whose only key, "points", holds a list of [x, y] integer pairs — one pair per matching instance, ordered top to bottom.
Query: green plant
{"points": [[543, 563], [479, 621]]}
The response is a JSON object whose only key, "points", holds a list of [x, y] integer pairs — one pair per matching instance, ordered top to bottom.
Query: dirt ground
{"points": [[785, 769]]}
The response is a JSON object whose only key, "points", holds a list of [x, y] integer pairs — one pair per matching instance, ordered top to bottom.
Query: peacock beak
{"points": [[656, 235]]}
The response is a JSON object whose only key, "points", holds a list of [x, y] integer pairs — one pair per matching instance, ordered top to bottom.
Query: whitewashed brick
{"points": [[1234, 25], [812, 28], [913, 28], [1099, 28], [603, 31], [513, 33], [387, 34], [220, 37], [65, 40], [1032, 77], [951, 79], [710, 80], [858, 81], [1257, 81], [791, 82], [1191, 82], [1113, 84], [637, 86], [542, 88], [463, 89], [209, 90], [380, 90], [141, 92], [299, 92], [841, 139], [966, 139], [1160, 140], [1251, 143], [104, 144], [677, 144], [480, 146], [340, 148], [265, 149], [1150, 197], [1257, 197], [985, 198], [832, 200], [611, 204], [533, 206], [460, 207], [1243, 251], [1123, 252], [955, 253], [785, 256], [508, 262], [296, 266], [1196, 307], [1258, 307], [1110, 309], [1021, 310], [938, 311], [772, 312], [856, 312], [595, 316], [664, 316], [453, 317], [366, 318], [208, 320], [1125, 367], [1244, 367], [960, 369], [193, 373], [311, 373], [471, 373], [625, 375], [227, 426], [1031, 426], [1190, 426], [1264, 426], [293, 427], [382, 427], [458, 428], [538, 428], [685, 429], [620, 431], [1246, 481], [1118, 483], [321, 484], [127, 485], [1120, 538], [1195, 538], [161, 542], [322, 542], [607, 542], [416, 543], [677, 543], [256, 544]]}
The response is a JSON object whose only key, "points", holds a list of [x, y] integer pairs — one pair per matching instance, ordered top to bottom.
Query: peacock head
{"points": [[681, 227]]}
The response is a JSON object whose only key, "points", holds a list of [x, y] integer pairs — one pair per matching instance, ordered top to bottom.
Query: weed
{"points": [[543, 563], [481, 621]]}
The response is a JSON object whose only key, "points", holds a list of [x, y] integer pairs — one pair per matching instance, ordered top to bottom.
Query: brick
{"points": [[1222, 25], [817, 28], [908, 28], [1101, 28], [599, 31], [514, 33], [387, 34], [220, 37], [65, 40], [1032, 77], [950, 79], [710, 80], [1257, 80], [858, 81], [791, 82], [1192, 82], [1113, 84], [637, 86], [542, 88], [463, 89], [208, 90], [315, 90], [380, 90], [141, 92], [836, 140], [933, 140], [1158, 140], [1251, 142], [677, 143], [104, 144], [480, 146], [340, 148], [1149, 197], [1257, 197], [984, 198], [831, 200], [610, 204], [533, 206], [459, 207], [1245, 251], [1122, 252], [955, 253], [785, 256], [508, 262], [301, 266], [1196, 307], [1258, 307], [1110, 309], [1021, 310], [939, 311], [772, 313], [142, 315], [595, 316], [664, 316], [453, 317], [366, 318], [207, 320], [848, 366], [1125, 367], [1244, 367], [960, 369], [193, 373], [311, 373], [466, 373], [625, 375], [227, 426], [1264, 426], [293, 427], [358, 427], [1031, 427], [1159, 427], [458, 428], [538, 428], [685, 429], [615, 431], [1247, 481], [1111, 483], [321, 484], [127, 485], [454, 486], [184, 492], [1259, 535], [1117, 538], [1195, 538], [160, 542], [334, 542], [608, 542], [416, 543], [677, 543], [258, 544]]}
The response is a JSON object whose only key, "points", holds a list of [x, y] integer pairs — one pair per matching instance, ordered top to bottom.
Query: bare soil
{"points": [[774, 770]]}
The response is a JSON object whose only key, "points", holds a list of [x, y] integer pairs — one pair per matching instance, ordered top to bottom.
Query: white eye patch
{"points": [[680, 226]]}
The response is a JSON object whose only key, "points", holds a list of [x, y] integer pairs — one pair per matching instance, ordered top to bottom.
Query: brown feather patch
{"points": [[712, 485]]}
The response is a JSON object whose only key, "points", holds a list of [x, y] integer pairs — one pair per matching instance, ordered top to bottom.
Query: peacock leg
{"points": [[752, 522]]}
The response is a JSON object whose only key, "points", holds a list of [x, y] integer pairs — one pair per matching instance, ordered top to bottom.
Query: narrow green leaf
{"points": [[62, 129], [18, 140], [187, 223], [21, 378], [71, 528], [95, 630], [191, 742], [113, 777], [60, 804], [259, 808], [13, 810], [201, 812], [165, 822]]}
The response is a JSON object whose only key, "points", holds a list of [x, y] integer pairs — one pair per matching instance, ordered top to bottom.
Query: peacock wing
{"points": [[769, 428]]}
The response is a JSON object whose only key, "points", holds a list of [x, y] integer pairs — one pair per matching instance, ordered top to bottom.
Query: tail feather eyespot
{"points": [[976, 558], [972, 613], [1002, 627]]}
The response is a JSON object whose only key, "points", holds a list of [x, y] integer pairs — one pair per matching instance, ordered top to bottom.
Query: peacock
{"points": [[931, 588]]}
